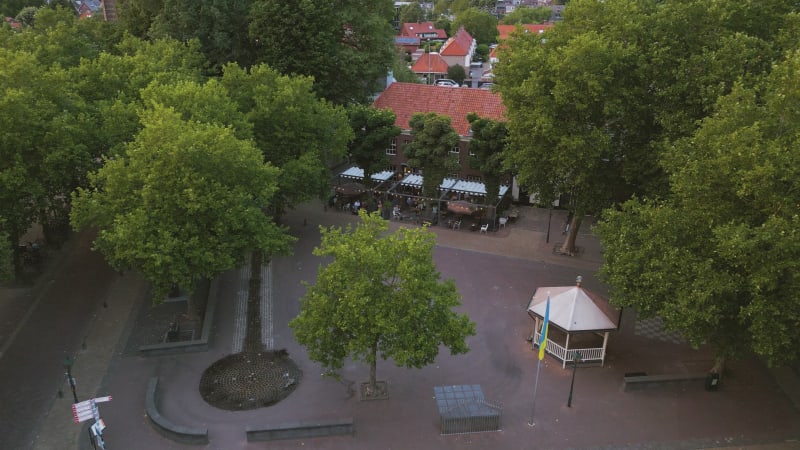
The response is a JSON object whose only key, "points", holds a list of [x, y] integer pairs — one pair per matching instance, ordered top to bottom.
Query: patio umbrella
{"points": [[462, 207]]}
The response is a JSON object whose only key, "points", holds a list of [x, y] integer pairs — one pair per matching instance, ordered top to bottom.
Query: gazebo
{"points": [[580, 322]]}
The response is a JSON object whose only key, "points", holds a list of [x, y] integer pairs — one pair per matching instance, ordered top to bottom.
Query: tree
{"points": [[412, 13], [527, 15], [481, 25], [220, 26], [347, 46], [456, 73], [573, 121], [373, 129], [294, 130], [488, 141], [431, 150], [184, 203], [718, 259], [380, 295]]}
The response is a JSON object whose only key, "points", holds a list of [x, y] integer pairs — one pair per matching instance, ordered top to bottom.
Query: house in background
{"points": [[425, 31], [459, 49], [430, 67], [405, 99]]}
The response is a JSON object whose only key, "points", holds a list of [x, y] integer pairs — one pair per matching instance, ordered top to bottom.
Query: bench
{"points": [[641, 379], [301, 430], [178, 433]]}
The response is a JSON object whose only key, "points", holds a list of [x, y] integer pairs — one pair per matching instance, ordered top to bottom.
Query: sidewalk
{"points": [[526, 241]]}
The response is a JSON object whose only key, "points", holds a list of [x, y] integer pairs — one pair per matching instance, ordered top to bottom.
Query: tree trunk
{"points": [[568, 248], [719, 366], [373, 370]]}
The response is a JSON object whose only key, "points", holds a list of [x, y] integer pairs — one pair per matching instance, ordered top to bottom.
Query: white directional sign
{"points": [[87, 409]]}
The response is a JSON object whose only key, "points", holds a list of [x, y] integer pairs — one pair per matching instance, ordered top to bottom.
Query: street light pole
{"points": [[575, 360], [68, 366]]}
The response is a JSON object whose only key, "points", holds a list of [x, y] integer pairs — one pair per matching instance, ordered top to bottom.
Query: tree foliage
{"points": [[412, 13], [527, 15], [481, 25], [347, 46], [456, 73], [592, 108], [373, 129], [294, 130], [488, 141], [430, 150], [185, 202], [718, 259], [381, 295]]}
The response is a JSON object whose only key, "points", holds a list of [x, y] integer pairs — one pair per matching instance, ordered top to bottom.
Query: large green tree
{"points": [[481, 25], [221, 26], [347, 46], [592, 108], [373, 129], [295, 130], [487, 144], [431, 150], [185, 202], [717, 260], [381, 295]]}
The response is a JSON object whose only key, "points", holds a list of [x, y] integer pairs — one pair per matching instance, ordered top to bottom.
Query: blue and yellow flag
{"points": [[543, 337]]}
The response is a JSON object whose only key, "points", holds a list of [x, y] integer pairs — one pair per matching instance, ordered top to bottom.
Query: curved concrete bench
{"points": [[637, 380], [300, 430], [178, 433]]}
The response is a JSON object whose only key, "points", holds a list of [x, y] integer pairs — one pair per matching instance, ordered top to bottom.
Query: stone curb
{"points": [[178, 433]]}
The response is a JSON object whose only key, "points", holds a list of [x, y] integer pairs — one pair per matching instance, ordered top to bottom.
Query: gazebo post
{"points": [[533, 332], [566, 352], [603, 356]]}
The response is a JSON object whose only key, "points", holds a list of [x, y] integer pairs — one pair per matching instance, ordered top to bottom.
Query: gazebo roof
{"points": [[574, 309]]}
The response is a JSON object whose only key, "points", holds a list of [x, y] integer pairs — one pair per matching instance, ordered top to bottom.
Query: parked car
{"points": [[476, 64], [446, 83], [487, 86]]}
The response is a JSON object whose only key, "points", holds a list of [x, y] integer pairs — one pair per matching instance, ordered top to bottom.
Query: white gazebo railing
{"points": [[566, 355]]}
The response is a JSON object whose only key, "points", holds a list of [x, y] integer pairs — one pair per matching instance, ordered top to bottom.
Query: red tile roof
{"points": [[424, 29], [505, 30], [458, 45], [430, 63], [405, 99]]}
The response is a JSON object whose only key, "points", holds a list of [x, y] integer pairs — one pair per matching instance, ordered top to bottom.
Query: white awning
{"points": [[358, 174]]}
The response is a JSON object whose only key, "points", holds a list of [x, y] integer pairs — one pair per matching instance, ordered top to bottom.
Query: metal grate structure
{"points": [[463, 409]]}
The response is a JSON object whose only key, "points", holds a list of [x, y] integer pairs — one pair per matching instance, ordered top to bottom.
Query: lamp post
{"points": [[576, 358], [68, 366]]}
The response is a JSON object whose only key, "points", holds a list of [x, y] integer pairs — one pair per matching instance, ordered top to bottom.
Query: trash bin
{"points": [[712, 381]]}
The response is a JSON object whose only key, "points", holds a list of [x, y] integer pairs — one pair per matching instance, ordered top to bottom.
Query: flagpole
{"points": [[542, 346], [535, 388]]}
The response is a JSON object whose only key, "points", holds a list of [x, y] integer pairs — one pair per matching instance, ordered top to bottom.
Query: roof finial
{"points": [[578, 280]]}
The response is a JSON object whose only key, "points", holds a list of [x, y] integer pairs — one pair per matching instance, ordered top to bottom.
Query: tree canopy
{"points": [[527, 15], [481, 25], [347, 46], [373, 129], [487, 144], [431, 149], [185, 202], [718, 259], [381, 295]]}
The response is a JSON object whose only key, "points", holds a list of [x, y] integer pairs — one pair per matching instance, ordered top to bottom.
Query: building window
{"points": [[456, 149], [392, 150], [453, 175], [474, 178]]}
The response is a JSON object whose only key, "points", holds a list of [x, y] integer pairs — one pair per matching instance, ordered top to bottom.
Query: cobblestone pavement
{"points": [[496, 273]]}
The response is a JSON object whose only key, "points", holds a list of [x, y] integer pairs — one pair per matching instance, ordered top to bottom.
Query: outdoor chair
{"points": [[503, 221], [457, 225], [484, 228]]}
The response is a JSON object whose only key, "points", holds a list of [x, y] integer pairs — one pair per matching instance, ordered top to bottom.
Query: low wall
{"points": [[195, 345], [641, 380], [300, 430], [178, 433]]}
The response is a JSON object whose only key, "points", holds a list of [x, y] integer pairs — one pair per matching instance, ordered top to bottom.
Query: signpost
{"points": [[86, 410]]}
